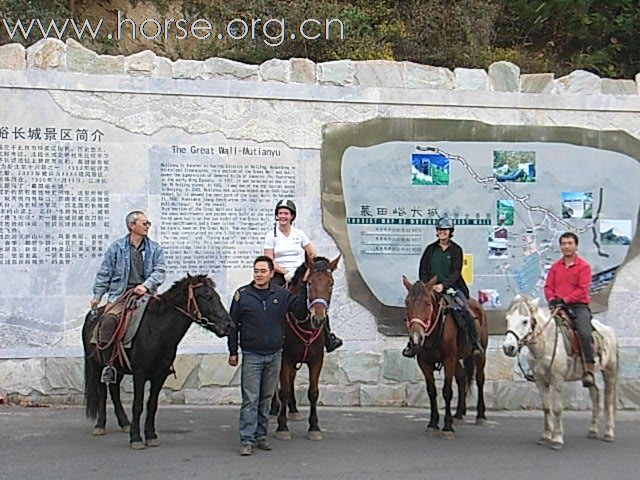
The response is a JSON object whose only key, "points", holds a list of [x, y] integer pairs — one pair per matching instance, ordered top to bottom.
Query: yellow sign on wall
{"points": [[467, 268]]}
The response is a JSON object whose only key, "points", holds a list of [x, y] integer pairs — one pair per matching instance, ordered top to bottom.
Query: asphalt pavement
{"points": [[359, 443]]}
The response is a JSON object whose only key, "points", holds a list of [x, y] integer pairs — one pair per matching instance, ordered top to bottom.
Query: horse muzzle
{"points": [[416, 339]]}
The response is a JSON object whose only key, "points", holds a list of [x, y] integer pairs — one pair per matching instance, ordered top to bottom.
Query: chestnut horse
{"points": [[434, 334], [304, 342]]}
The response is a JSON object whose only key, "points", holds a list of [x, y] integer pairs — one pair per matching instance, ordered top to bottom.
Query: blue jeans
{"points": [[259, 379]]}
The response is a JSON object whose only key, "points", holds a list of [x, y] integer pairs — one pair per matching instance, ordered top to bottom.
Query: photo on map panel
{"points": [[514, 166], [429, 168], [577, 205]]}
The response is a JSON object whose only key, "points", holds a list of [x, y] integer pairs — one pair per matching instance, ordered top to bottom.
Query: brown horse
{"points": [[433, 332], [304, 342]]}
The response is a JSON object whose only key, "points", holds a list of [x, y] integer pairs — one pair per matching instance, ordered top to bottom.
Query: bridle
{"points": [[193, 310], [427, 324], [530, 339]]}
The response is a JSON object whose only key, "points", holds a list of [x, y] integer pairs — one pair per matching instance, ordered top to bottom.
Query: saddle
{"points": [[128, 325], [573, 345]]}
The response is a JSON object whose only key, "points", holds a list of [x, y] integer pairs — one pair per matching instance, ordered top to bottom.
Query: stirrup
{"points": [[109, 375], [588, 380]]}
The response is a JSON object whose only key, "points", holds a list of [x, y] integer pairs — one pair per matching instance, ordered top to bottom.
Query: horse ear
{"points": [[333, 264], [189, 276], [432, 282], [407, 283], [535, 302]]}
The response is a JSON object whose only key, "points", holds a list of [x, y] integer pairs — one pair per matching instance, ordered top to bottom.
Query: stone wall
{"points": [[256, 102]]}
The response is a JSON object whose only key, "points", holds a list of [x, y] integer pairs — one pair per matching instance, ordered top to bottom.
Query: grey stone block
{"points": [[47, 54], [13, 57], [141, 63], [221, 68], [188, 69], [274, 70], [302, 70], [339, 72], [379, 73], [428, 77], [504, 77], [470, 79], [579, 81], [537, 83], [619, 87], [185, 367], [360, 367], [397, 368], [215, 370], [65, 374], [23, 377], [383, 395], [340, 396]]}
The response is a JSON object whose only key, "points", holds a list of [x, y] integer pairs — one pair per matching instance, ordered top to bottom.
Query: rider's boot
{"points": [[470, 323], [331, 342], [409, 351], [588, 379]]}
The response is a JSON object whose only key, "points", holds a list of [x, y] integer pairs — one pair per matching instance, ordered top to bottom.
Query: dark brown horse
{"points": [[165, 322], [434, 334], [304, 342]]}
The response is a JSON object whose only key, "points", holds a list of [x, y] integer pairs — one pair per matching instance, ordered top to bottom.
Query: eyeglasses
{"points": [[147, 223], [261, 270]]}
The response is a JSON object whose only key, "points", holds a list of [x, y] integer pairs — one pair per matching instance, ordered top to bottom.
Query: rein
{"points": [[193, 311], [307, 337]]}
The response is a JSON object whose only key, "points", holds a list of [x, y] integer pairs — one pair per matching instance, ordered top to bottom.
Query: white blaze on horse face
{"points": [[416, 337]]}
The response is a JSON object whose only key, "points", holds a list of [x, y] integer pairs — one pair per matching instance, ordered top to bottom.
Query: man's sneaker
{"points": [[332, 343], [408, 351], [109, 374], [263, 444], [246, 449]]}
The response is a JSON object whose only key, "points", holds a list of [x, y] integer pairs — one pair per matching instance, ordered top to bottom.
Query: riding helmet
{"points": [[289, 205]]}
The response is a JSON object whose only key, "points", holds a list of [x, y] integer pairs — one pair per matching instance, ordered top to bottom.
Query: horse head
{"points": [[319, 289], [204, 305], [420, 309], [522, 324]]}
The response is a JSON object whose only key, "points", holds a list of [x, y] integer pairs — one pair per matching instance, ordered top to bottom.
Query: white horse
{"points": [[532, 326]]}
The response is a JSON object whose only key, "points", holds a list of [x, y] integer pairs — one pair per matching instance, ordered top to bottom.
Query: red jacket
{"points": [[571, 284]]}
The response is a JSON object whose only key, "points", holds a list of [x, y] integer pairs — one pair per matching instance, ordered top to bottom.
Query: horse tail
{"points": [[91, 371], [469, 372], [90, 388]]}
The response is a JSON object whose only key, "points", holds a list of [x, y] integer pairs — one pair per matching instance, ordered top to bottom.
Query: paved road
{"points": [[360, 443]]}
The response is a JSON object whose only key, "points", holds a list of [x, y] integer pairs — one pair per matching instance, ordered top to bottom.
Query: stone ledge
{"points": [[53, 54]]}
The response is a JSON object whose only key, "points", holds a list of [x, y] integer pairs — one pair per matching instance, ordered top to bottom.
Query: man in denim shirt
{"points": [[131, 262], [258, 311]]}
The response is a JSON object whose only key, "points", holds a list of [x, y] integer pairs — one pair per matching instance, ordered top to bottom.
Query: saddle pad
{"points": [[134, 323]]}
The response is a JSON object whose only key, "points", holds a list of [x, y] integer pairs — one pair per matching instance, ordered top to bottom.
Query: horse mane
{"points": [[320, 264], [416, 290], [525, 306]]}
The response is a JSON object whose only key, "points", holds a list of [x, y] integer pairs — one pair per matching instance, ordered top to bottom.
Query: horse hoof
{"points": [[295, 416], [458, 421], [481, 422], [125, 429], [435, 431], [98, 432], [592, 434], [283, 435], [448, 435], [315, 436], [609, 438], [543, 441], [152, 442], [556, 445], [137, 446]]}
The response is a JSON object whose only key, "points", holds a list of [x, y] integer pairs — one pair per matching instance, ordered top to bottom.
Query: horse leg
{"points": [[427, 371], [610, 376], [114, 391], [314, 392], [447, 392], [594, 393], [545, 395], [275, 405], [293, 406], [461, 408], [481, 418], [101, 421], [282, 432], [150, 436], [557, 438], [135, 440]]}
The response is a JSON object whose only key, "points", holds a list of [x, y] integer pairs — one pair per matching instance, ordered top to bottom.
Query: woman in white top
{"points": [[287, 246]]}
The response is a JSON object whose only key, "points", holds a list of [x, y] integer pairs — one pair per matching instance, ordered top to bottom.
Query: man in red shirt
{"points": [[568, 284]]}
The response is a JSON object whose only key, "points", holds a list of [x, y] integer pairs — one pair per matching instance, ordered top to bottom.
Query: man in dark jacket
{"points": [[443, 259], [258, 310]]}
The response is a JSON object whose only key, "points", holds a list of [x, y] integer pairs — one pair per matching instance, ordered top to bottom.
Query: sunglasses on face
{"points": [[146, 223]]}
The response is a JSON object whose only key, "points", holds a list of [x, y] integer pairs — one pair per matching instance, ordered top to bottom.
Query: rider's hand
{"points": [[288, 276], [438, 287], [140, 290], [556, 302], [94, 303], [233, 360]]}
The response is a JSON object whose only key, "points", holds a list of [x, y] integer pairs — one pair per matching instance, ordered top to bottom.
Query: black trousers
{"points": [[582, 323]]}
